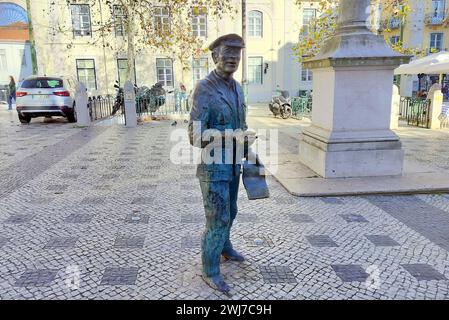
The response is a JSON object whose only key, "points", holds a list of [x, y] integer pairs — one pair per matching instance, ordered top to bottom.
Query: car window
{"points": [[42, 83]]}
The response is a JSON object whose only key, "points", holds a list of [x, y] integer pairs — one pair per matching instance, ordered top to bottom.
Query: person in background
{"points": [[435, 87], [182, 88], [445, 91], [11, 92], [422, 94], [180, 97]]}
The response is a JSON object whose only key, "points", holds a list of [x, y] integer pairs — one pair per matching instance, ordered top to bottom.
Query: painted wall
{"points": [[416, 30], [417, 35], [18, 61]]}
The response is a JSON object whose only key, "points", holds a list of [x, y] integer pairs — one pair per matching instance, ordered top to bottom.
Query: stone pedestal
{"points": [[130, 105], [81, 107], [436, 107], [395, 108], [350, 135]]}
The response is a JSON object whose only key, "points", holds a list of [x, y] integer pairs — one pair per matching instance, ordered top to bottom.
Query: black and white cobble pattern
{"points": [[128, 225]]}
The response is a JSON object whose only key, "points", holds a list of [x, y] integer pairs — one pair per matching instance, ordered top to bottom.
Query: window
{"points": [[438, 8], [437, 13], [307, 17], [162, 19], [81, 20], [119, 21], [199, 22], [394, 23], [255, 24], [394, 40], [436, 41], [3, 61], [122, 66], [200, 69], [85, 70], [255, 70], [165, 71], [306, 75], [42, 83]]}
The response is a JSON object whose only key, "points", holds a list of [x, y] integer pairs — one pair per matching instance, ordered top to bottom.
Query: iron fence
{"points": [[171, 103], [101, 107], [302, 107], [415, 111], [444, 117]]}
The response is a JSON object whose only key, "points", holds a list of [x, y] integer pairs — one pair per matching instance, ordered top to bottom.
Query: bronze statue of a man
{"points": [[219, 106]]}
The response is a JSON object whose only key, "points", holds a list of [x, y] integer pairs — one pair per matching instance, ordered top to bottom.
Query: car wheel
{"points": [[71, 117], [24, 119]]}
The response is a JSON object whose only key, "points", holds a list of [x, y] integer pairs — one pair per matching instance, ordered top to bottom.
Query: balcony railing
{"points": [[436, 18], [394, 23], [391, 24]]}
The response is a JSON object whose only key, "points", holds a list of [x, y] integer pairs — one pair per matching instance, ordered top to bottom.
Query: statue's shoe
{"points": [[233, 256], [217, 283]]}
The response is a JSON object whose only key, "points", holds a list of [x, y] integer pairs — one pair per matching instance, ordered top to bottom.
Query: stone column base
{"points": [[352, 157]]}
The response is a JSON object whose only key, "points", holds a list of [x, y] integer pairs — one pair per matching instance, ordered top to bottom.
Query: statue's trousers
{"points": [[220, 206]]}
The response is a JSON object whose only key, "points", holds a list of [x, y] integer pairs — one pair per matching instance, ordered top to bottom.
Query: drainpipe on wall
{"points": [[31, 39]]}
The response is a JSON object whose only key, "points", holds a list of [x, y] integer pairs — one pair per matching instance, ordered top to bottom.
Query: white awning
{"points": [[437, 63]]}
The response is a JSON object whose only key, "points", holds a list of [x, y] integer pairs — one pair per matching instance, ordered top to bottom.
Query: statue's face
{"points": [[227, 59]]}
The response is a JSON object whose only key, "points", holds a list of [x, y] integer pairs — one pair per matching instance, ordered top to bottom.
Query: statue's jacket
{"points": [[212, 109]]}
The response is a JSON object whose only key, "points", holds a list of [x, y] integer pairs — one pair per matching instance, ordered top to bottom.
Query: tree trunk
{"points": [[103, 40], [130, 71], [182, 74]]}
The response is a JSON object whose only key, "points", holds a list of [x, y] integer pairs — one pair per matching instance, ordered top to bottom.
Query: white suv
{"points": [[45, 97]]}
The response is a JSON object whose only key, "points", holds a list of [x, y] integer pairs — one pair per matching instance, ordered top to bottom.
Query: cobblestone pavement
{"points": [[102, 213]]}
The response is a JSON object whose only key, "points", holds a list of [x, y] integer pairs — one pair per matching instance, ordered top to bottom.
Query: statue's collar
{"points": [[229, 82]]}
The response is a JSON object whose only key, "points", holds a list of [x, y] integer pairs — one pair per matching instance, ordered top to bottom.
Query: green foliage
{"points": [[324, 25]]}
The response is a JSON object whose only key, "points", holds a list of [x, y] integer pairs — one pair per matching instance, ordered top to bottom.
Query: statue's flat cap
{"points": [[230, 40]]}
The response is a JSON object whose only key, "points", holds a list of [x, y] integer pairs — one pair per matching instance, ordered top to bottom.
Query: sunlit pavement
{"points": [[102, 213]]}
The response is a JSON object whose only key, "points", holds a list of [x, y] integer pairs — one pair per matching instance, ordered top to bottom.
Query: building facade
{"points": [[425, 28], [272, 30], [15, 57]]}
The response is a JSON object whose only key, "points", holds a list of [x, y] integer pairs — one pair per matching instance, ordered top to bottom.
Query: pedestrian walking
{"points": [[445, 91], [11, 92], [180, 97]]}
